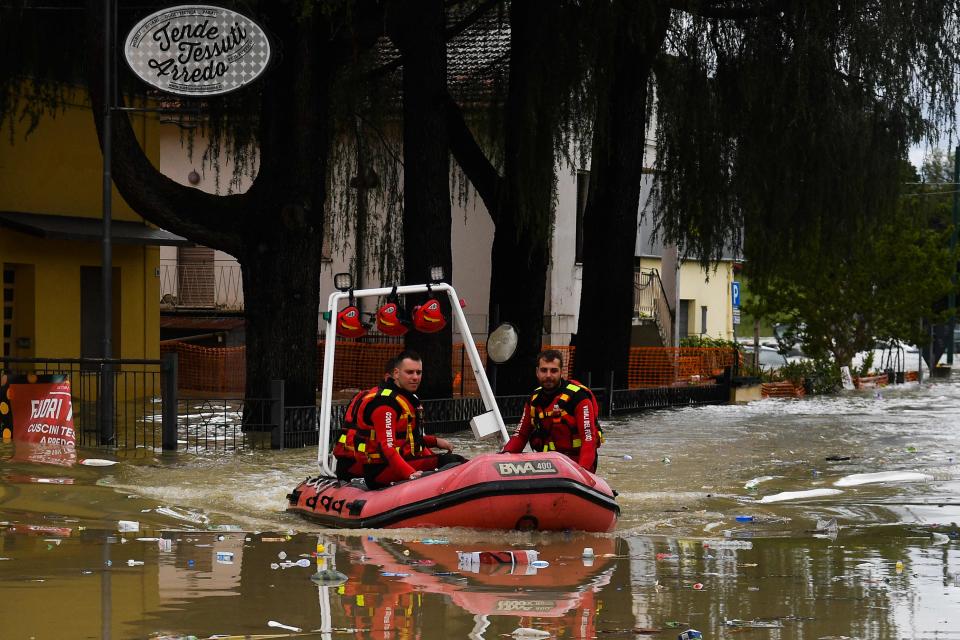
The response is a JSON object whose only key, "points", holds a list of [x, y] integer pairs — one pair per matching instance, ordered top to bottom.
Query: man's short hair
{"points": [[405, 355], [550, 355], [391, 365]]}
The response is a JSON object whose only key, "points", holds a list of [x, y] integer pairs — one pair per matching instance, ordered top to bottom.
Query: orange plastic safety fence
{"points": [[361, 364], [357, 365], [674, 366], [219, 369], [464, 381], [868, 382], [783, 389]]}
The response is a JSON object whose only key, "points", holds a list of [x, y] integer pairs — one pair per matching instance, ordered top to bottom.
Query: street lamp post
{"points": [[107, 431]]}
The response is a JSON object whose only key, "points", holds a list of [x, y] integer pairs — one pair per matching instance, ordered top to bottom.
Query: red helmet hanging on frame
{"points": [[428, 318], [388, 319], [392, 319], [348, 322]]}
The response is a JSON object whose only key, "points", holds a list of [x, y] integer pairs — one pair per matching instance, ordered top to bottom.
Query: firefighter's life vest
{"points": [[554, 422], [357, 438]]}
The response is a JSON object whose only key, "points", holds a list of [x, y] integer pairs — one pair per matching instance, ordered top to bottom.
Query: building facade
{"points": [[50, 244]]}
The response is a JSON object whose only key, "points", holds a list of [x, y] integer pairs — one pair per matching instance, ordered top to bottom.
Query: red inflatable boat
{"points": [[531, 491]]}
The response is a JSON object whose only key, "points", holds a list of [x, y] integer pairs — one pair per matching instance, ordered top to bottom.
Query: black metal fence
{"points": [[116, 402], [130, 404]]}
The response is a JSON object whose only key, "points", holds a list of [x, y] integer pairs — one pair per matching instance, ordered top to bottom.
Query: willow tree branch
{"points": [[479, 170], [199, 216]]}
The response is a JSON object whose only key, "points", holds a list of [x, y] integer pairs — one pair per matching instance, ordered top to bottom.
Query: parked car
{"points": [[770, 358], [901, 358]]}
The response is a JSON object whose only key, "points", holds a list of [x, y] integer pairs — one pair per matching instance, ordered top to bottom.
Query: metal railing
{"points": [[204, 285], [650, 302], [134, 386], [147, 412]]}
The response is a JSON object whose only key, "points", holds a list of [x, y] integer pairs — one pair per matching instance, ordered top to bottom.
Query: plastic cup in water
{"points": [[588, 552]]}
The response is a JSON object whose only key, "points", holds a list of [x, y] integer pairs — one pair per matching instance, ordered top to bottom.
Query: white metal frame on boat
{"points": [[326, 385]]}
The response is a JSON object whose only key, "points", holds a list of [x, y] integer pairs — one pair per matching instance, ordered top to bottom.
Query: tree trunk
{"points": [[418, 29], [524, 219], [610, 219], [275, 229], [518, 282], [282, 299]]}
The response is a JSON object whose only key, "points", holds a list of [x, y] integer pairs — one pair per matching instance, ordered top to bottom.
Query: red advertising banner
{"points": [[40, 416]]}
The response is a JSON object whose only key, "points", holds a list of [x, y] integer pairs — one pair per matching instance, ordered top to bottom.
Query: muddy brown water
{"points": [[727, 527]]}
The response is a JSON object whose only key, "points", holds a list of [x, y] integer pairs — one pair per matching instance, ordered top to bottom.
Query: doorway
{"points": [[91, 313]]}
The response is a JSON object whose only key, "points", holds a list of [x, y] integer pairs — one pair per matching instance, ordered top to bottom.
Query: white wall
{"points": [[472, 239], [472, 242], [565, 277]]}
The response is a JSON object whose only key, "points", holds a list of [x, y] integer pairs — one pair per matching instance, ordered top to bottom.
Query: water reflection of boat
{"points": [[535, 491], [386, 582]]}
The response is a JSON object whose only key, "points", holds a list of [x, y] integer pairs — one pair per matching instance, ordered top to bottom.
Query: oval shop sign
{"points": [[197, 50]]}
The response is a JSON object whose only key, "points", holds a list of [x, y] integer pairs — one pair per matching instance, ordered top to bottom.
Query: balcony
{"points": [[201, 285], [650, 304]]}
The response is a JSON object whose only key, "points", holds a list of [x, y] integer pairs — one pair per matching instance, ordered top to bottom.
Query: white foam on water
{"points": [[884, 476], [753, 483], [798, 495]]}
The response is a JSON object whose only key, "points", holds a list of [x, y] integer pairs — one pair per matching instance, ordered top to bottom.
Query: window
{"points": [[583, 188], [683, 319], [703, 320]]}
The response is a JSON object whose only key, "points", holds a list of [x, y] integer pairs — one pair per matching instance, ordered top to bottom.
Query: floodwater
{"points": [[816, 518]]}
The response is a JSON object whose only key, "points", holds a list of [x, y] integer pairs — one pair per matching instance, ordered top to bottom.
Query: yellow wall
{"points": [[57, 169], [713, 293]]}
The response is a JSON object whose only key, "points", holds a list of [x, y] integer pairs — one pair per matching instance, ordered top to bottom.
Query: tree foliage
{"points": [[788, 120], [780, 126], [897, 273]]}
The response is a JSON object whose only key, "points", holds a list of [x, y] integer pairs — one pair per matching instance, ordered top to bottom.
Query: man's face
{"points": [[407, 374], [548, 374]]}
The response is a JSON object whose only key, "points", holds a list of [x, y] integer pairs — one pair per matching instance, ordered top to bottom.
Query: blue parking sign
{"points": [[735, 294]]}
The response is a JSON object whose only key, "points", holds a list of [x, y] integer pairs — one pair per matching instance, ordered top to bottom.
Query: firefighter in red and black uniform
{"points": [[561, 415], [386, 438], [344, 450]]}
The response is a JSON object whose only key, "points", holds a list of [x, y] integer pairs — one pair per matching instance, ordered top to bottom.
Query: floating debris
{"points": [[98, 462], [884, 476], [798, 495], [754, 624]]}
